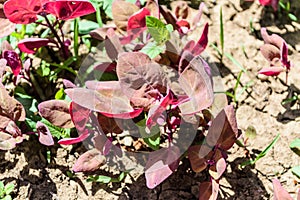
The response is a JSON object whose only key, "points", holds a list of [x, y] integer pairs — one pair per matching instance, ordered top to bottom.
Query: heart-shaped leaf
{"points": [[138, 19], [56, 112], [45, 136], [69, 141], [198, 156], [89, 161]]}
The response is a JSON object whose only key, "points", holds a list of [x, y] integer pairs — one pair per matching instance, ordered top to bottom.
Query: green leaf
{"points": [[292, 17], [157, 29], [221, 31], [152, 49], [44, 69], [60, 94], [57, 131], [251, 132], [153, 142], [295, 146], [262, 154], [296, 171], [107, 179], [1, 185], [9, 188], [7, 197]]}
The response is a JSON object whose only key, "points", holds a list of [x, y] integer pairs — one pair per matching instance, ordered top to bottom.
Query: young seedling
{"points": [[6, 190]]}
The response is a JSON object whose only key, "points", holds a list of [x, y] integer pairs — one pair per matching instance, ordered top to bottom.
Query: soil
{"points": [[260, 106]]}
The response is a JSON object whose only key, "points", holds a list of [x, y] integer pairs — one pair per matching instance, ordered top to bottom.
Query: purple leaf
{"points": [[69, 9], [23, 12], [197, 18], [31, 45], [112, 45], [270, 52], [284, 56], [13, 61], [140, 78], [197, 84], [108, 99], [56, 112], [110, 125], [223, 130], [45, 136], [7, 141], [69, 141], [198, 156], [89, 161], [160, 165], [219, 168], [209, 190], [279, 192]]}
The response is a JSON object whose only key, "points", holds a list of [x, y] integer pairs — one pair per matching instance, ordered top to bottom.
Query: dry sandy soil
{"points": [[260, 106]]}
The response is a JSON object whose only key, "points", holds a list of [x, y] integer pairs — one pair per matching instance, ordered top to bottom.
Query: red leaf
{"points": [[69, 9], [23, 12], [138, 20], [202, 42], [112, 44], [31, 45], [270, 52], [284, 56], [13, 61], [271, 71], [197, 84], [56, 112], [79, 116], [223, 130], [45, 136], [69, 141], [89, 161], [160, 165], [279, 192]]}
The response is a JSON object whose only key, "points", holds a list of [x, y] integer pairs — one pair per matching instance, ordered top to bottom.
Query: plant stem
{"points": [[98, 16], [76, 33], [62, 45], [37, 87]]}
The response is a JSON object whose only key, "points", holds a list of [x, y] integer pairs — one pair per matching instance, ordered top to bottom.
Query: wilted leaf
{"points": [[69, 9], [121, 11], [23, 12], [31, 45], [197, 84], [10, 107], [56, 112], [45, 136], [89, 161], [160, 165], [279, 192]]}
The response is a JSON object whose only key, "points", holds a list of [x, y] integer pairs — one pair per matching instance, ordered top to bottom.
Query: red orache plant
{"points": [[273, 3], [25, 12], [275, 50]]}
